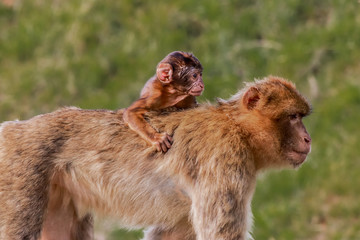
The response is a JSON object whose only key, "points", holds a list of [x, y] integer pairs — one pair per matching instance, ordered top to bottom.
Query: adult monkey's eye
{"points": [[194, 75], [293, 116]]}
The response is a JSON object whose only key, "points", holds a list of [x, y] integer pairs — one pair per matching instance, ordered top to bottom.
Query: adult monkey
{"points": [[58, 168]]}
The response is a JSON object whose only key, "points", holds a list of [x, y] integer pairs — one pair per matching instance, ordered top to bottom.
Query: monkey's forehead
{"points": [[297, 105]]}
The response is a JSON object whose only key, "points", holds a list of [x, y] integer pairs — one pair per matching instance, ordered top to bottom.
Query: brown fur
{"points": [[178, 80], [58, 168]]}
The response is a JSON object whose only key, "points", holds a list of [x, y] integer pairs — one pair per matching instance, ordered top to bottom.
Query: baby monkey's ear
{"points": [[164, 72]]}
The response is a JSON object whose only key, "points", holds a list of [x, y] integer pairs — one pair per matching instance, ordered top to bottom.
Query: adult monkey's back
{"points": [[58, 168]]}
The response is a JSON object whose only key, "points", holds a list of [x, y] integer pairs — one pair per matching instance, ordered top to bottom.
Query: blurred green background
{"points": [[98, 54]]}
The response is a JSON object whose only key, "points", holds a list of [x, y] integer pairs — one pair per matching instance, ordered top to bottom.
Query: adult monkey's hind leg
{"points": [[62, 220]]}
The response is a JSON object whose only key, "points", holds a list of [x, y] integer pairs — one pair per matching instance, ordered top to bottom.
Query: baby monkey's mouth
{"points": [[196, 92]]}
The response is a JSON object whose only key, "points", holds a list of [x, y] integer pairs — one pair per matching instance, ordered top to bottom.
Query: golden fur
{"points": [[59, 168]]}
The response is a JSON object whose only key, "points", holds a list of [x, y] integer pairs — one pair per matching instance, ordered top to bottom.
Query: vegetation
{"points": [[98, 54]]}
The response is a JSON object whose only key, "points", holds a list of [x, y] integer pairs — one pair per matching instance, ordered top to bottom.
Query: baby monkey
{"points": [[178, 80]]}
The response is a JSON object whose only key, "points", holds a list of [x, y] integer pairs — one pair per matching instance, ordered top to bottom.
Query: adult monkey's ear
{"points": [[164, 72], [251, 98]]}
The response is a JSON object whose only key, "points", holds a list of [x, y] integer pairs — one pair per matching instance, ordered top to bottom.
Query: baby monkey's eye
{"points": [[194, 75]]}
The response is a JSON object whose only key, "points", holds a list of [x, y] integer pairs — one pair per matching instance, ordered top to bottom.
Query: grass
{"points": [[98, 54]]}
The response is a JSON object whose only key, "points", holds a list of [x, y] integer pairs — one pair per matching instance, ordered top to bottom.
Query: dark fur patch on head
{"points": [[188, 58], [179, 59]]}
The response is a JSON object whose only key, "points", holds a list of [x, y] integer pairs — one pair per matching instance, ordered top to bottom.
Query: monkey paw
{"points": [[162, 141]]}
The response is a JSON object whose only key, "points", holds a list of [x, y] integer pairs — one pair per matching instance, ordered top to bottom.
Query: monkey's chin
{"points": [[196, 93], [297, 158]]}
